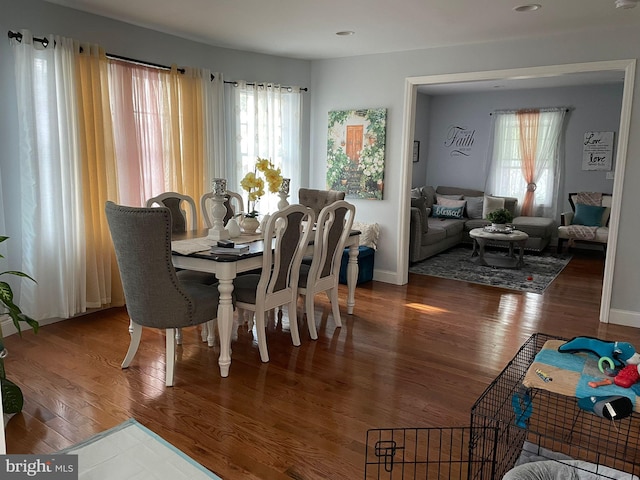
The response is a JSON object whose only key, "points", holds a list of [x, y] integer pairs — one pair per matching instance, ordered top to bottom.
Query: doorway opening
{"points": [[568, 72]]}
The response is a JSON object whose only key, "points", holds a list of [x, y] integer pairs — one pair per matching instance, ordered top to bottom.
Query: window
{"points": [[264, 121], [509, 173]]}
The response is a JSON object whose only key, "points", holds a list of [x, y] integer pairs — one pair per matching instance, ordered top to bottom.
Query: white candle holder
{"points": [[283, 193], [217, 230]]}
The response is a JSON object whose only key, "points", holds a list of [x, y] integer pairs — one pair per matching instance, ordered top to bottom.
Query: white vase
{"points": [[250, 225], [233, 228]]}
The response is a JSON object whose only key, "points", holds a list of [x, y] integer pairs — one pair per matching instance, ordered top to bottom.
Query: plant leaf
{"points": [[18, 274], [12, 398]]}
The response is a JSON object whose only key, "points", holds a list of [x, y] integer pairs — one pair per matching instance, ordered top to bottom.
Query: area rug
{"points": [[536, 275], [132, 451]]}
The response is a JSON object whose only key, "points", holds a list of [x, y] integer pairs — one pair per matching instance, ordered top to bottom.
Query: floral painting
{"points": [[355, 152]]}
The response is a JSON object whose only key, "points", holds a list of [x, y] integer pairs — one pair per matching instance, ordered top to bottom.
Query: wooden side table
{"points": [[482, 237]]}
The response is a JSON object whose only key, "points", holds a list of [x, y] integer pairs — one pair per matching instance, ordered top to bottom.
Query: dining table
{"points": [[192, 251]]}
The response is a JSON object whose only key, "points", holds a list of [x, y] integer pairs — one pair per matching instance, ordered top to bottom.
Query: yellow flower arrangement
{"points": [[254, 184]]}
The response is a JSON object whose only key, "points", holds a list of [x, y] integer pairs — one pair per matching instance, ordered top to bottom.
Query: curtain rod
{"points": [[44, 41], [547, 109]]}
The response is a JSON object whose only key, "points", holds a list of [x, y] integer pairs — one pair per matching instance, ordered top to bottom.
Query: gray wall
{"points": [[119, 38], [379, 81], [592, 108], [422, 135]]}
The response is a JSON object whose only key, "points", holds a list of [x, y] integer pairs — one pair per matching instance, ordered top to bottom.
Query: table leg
{"points": [[481, 243], [521, 256], [352, 277], [225, 320]]}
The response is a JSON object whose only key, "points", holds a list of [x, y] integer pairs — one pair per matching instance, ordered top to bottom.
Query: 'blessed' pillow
{"points": [[443, 211], [588, 215]]}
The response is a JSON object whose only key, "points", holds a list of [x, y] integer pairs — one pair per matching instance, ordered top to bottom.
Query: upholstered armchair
{"points": [[588, 221]]}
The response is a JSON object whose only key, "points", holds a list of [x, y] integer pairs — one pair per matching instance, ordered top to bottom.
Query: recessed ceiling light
{"points": [[532, 7], [346, 33]]}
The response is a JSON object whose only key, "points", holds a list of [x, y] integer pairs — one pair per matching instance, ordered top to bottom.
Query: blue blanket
{"points": [[570, 373]]}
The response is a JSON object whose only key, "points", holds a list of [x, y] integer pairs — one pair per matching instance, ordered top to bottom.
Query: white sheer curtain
{"points": [[263, 121], [214, 131], [505, 171], [50, 178]]}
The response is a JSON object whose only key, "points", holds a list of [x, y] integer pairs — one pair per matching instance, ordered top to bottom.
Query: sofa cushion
{"points": [[441, 190], [429, 193], [447, 197], [447, 202], [420, 203], [491, 204], [474, 206], [444, 211], [588, 215], [475, 223], [451, 226], [535, 226], [436, 234]]}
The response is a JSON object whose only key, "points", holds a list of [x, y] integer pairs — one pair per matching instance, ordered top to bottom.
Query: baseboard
{"points": [[386, 276], [624, 317], [8, 328]]}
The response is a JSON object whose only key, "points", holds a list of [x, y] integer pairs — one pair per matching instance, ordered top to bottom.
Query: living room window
{"points": [[526, 160]]}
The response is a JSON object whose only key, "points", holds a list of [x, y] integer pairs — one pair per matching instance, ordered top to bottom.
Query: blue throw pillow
{"points": [[442, 211], [588, 215]]}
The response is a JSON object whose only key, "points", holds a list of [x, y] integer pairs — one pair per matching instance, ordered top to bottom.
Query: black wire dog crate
{"points": [[506, 420]]}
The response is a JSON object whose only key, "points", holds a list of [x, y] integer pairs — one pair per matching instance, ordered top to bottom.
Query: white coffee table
{"points": [[482, 237]]}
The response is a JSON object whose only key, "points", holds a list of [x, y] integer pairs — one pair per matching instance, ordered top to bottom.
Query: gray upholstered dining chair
{"points": [[318, 199], [333, 227], [277, 284], [154, 294]]}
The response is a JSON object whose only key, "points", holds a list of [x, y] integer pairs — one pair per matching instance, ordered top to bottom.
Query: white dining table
{"points": [[226, 267]]}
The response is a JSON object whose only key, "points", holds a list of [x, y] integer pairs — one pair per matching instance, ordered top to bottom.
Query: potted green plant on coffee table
{"points": [[499, 218], [12, 398]]}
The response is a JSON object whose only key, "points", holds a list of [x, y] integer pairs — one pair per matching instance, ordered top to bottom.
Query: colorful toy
{"points": [[622, 353], [628, 376], [600, 383]]}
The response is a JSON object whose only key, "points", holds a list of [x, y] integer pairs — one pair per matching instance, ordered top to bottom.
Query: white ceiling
{"points": [[307, 29]]}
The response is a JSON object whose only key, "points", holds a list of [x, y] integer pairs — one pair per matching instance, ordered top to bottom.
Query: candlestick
{"points": [[217, 230]]}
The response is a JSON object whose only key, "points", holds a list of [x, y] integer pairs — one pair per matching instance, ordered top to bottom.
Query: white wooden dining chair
{"points": [[174, 201], [233, 202], [183, 222], [332, 230], [277, 284]]}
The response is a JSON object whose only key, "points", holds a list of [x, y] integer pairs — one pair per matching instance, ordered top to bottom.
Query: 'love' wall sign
{"points": [[597, 151]]}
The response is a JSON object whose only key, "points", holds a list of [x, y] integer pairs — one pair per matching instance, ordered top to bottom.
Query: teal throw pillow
{"points": [[442, 211], [588, 215]]}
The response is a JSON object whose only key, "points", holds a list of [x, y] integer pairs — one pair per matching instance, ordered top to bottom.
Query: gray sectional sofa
{"points": [[430, 235]]}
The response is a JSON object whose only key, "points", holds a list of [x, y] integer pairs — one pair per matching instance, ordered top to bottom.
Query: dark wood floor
{"points": [[413, 355]]}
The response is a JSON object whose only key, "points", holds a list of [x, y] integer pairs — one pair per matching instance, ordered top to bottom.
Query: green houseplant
{"points": [[500, 216], [12, 398]]}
